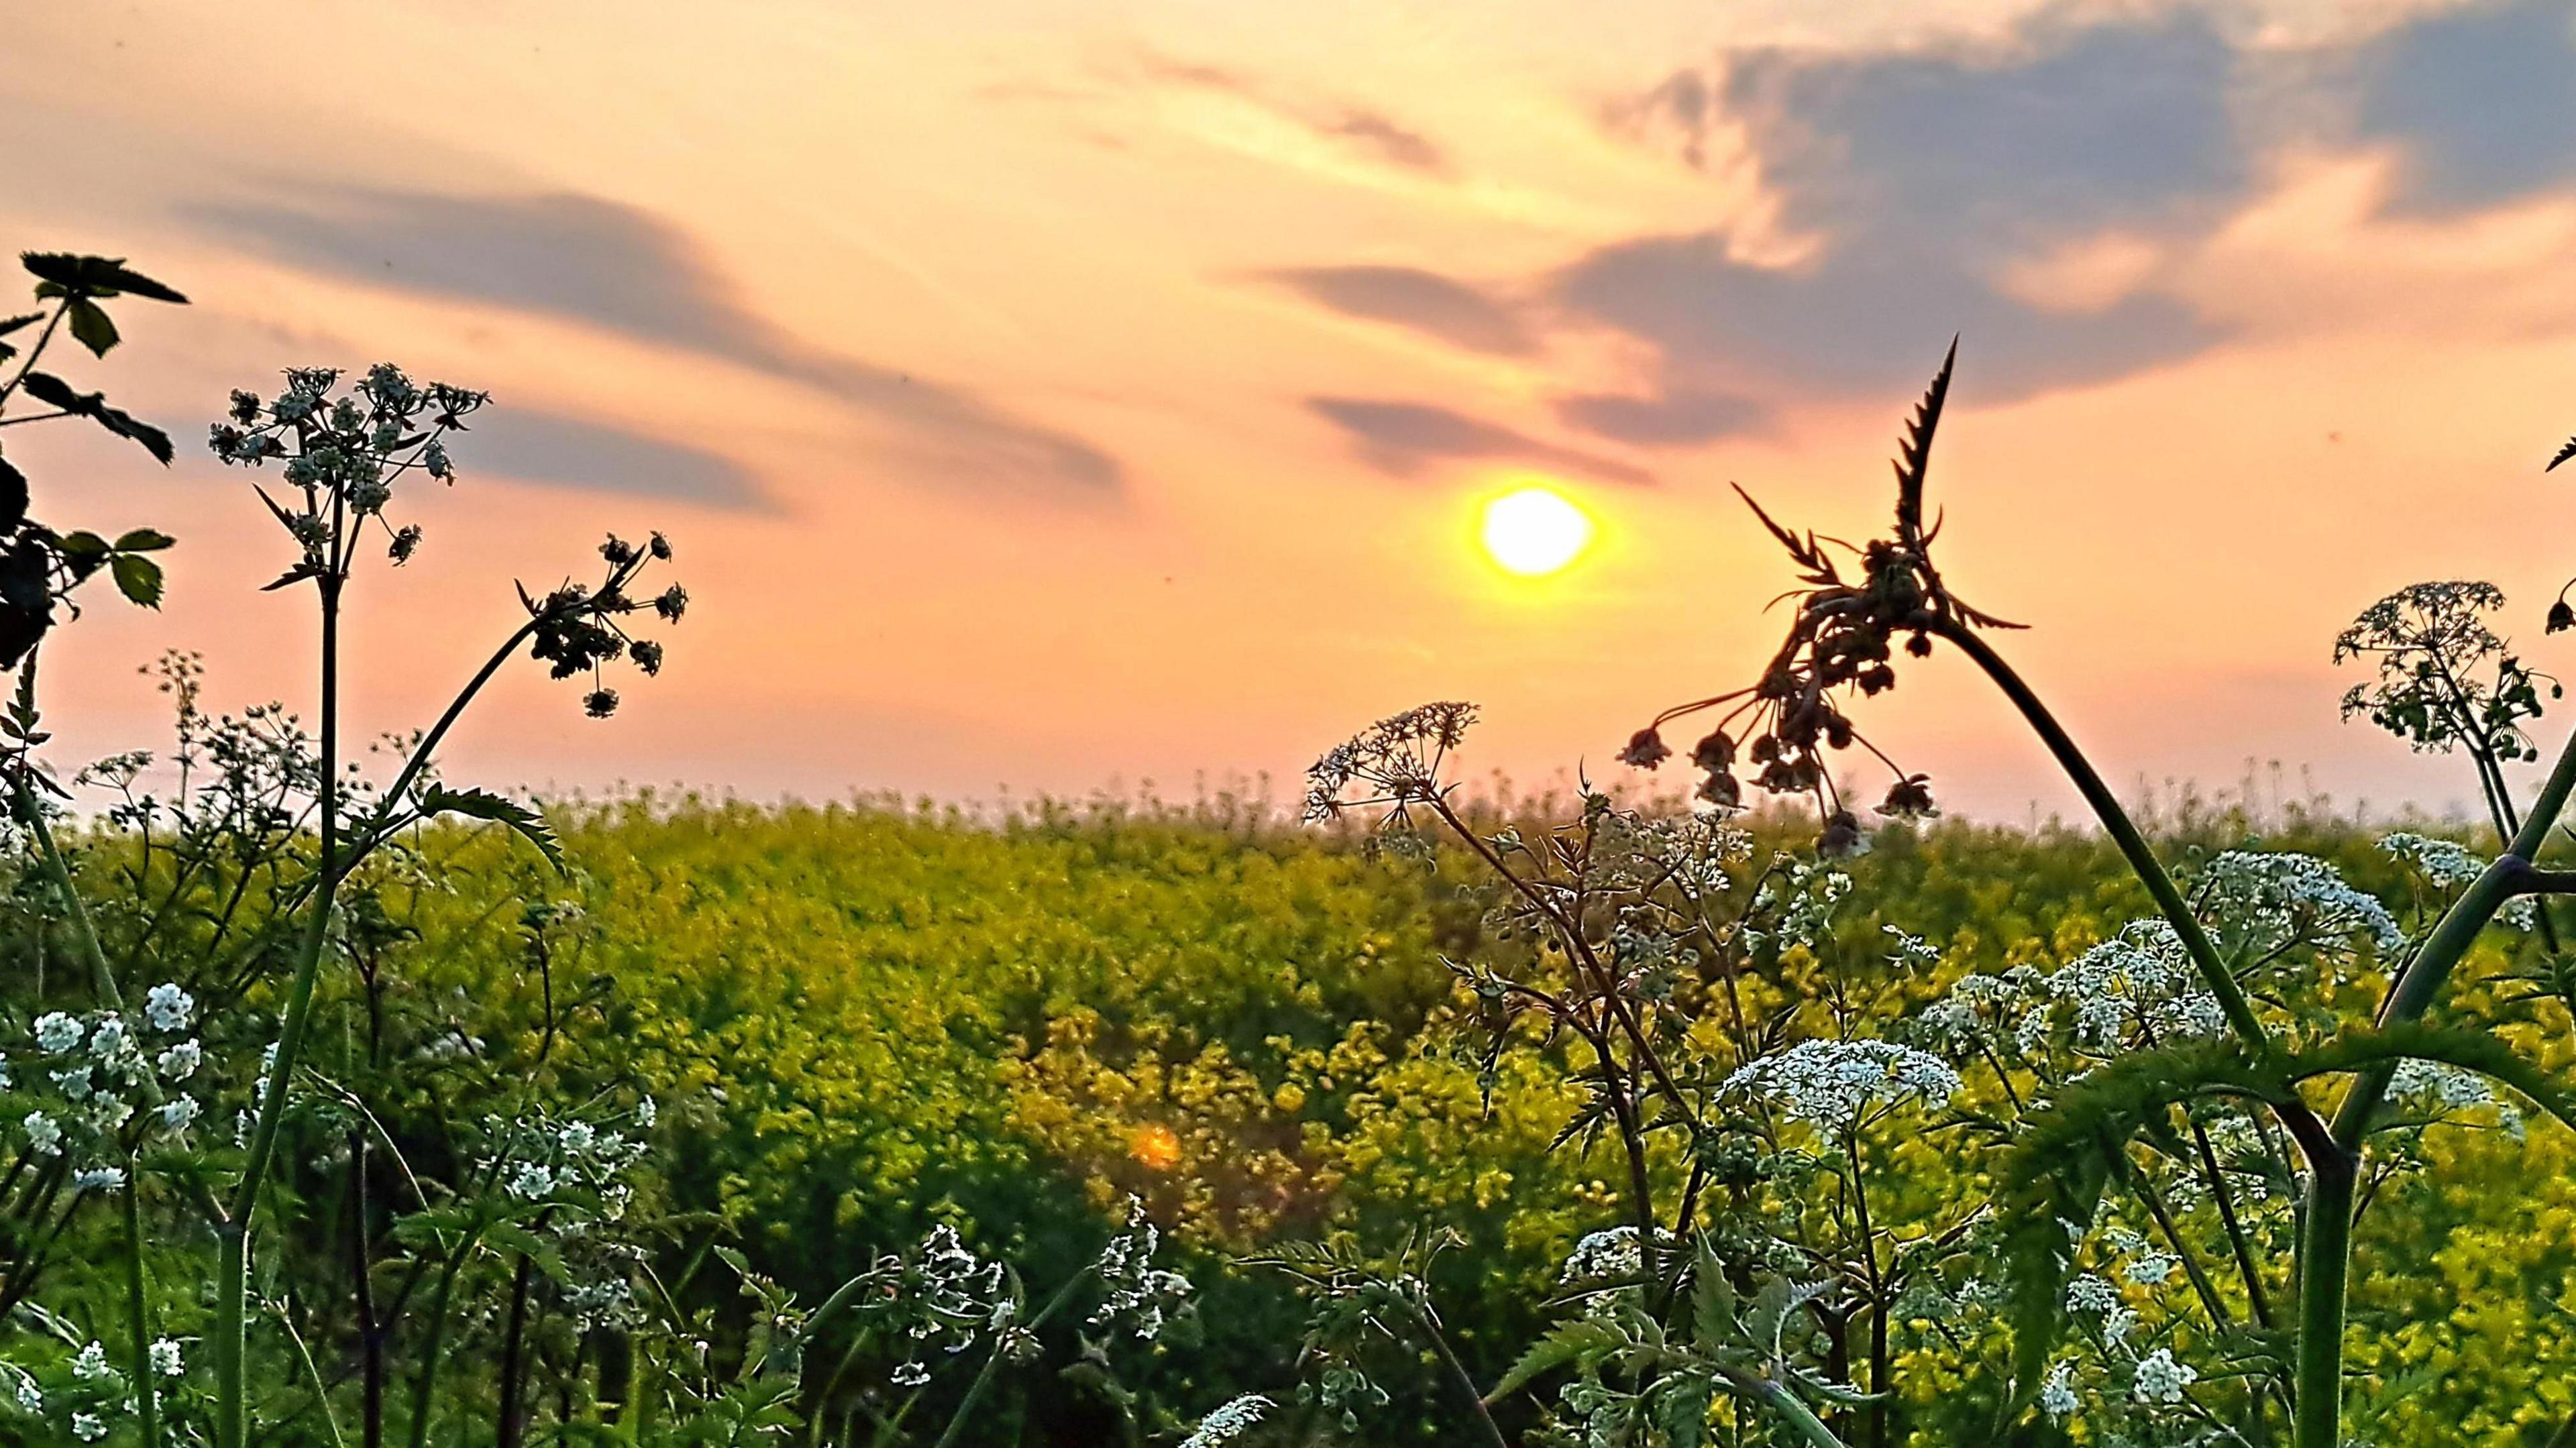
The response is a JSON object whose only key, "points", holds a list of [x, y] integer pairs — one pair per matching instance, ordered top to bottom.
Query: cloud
{"points": [[2480, 100], [1370, 133], [1923, 176], [626, 271], [1424, 301], [1680, 418], [1404, 437], [547, 447]]}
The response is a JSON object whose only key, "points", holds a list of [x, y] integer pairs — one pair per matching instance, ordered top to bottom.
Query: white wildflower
{"points": [[169, 1008], [57, 1032], [108, 1040], [181, 1061], [1831, 1084], [179, 1113], [44, 1134], [99, 1179], [530, 1180], [2150, 1270], [2089, 1293], [165, 1358], [90, 1364], [911, 1374], [2160, 1379], [2057, 1390], [1228, 1422], [88, 1427]]}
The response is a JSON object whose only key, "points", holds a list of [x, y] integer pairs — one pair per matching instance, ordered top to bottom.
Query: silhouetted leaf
{"points": [[95, 276], [23, 319], [90, 325], [2564, 454], [1914, 458], [13, 497], [143, 540], [138, 578]]}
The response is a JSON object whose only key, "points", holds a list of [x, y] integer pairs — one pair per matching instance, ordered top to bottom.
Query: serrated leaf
{"points": [[95, 276], [23, 319], [91, 326], [53, 391], [2564, 454], [13, 498], [143, 540], [83, 544], [138, 578], [483, 804], [2468, 1049], [1712, 1299], [1574, 1341]]}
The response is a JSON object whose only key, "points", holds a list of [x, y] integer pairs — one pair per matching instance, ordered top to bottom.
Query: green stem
{"points": [[2214, 973], [102, 979], [2325, 1269], [232, 1283], [138, 1307], [993, 1360], [425, 1387], [1776, 1396]]}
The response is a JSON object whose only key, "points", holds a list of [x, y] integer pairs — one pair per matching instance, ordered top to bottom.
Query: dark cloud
{"points": [[2482, 101], [1388, 141], [1926, 173], [626, 271], [1410, 297], [1679, 418], [1403, 437], [545, 447]]}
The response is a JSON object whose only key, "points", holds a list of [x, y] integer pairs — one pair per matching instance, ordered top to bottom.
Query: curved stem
{"points": [[2124, 833], [138, 1307]]}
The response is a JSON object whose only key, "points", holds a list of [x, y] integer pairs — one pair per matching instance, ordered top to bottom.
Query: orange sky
{"points": [[1052, 396]]}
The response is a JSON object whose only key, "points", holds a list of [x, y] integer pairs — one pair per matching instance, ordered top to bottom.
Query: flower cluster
{"points": [[343, 455], [1396, 761], [2448, 867], [2265, 902], [92, 1074], [1832, 1084], [577, 1166], [1135, 1293], [940, 1296], [1229, 1422]]}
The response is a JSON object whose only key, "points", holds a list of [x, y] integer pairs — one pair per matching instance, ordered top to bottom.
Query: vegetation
{"points": [[345, 1109]]}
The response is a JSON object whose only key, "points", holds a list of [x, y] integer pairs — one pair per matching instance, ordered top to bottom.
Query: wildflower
{"points": [[406, 542], [673, 602], [647, 655], [1645, 749], [169, 1008], [57, 1032], [108, 1039], [180, 1061], [74, 1082], [1832, 1083], [179, 1112], [44, 1134], [576, 1136], [99, 1179], [531, 1180], [2150, 1270], [1132, 1287], [2089, 1293], [165, 1358], [90, 1364], [911, 1374], [2160, 1379], [2057, 1390], [31, 1398], [1228, 1422], [88, 1427]]}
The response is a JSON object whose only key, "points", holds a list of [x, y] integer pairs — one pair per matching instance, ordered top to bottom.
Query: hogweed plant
{"points": [[2113, 1198]]}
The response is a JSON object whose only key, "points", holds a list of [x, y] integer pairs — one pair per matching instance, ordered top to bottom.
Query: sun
{"points": [[1534, 531]]}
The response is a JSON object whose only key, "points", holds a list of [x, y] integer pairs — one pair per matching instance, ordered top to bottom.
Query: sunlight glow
{"points": [[1535, 530]]}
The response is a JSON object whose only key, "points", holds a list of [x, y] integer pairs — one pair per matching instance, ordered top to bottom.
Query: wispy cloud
{"points": [[2481, 102], [1363, 132], [626, 271], [1422, 301], [1682, 418], [1405, 437], [563, 451]]}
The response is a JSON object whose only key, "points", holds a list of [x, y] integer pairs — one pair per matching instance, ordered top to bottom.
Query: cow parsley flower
{"points": [[2448, 866], [2273, 899], [169, 1008], [57, 1032], [108, 1040], [180, 1061], [1831, 1084], [179, 1113], [44, 1134], [99, 1179], [530, 1180], [2150, 1270], [1135, 1290], [2089, 1293], [165, 1358], [90, 1364], [911, 1374], [2160, 1379], [2057, 1390], [31, 1398], [1228, 1422], [88, 1427]]}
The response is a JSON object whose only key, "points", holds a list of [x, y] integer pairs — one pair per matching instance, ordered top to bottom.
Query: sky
{"points": [[1055, 398]]}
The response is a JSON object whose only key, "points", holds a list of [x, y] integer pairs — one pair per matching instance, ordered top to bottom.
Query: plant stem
{"points": [[2115, 822], [102, 979], [2325, 1269], [232, 1281], [138, 1305], [993, 1360], [1458, 1370], [425, 1387], [1774, 1395]]}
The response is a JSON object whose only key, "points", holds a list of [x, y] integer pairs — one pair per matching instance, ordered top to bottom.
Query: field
{"points": [[864, 1021]]}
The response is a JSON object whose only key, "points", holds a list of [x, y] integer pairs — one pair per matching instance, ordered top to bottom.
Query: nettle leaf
{"points": [[96, 276], [23, 319], [90, 325], [45, 387], [2564, 454], [143, 540], [138, 578], [483, 804], [1712, 1300], [1576, 1341]]}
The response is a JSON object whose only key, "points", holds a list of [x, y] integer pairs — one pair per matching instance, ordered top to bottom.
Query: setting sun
{"points": [[1535, 530]]}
